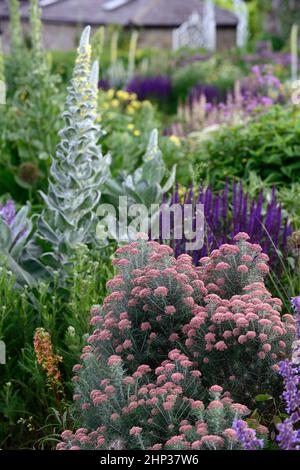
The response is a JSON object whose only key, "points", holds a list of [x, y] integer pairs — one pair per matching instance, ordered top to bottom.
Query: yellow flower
{"points": [[110, 94], [123, 95], [133, 96], [115, 103], [136, 104], [130, 109], [130, 126], [136, 133], [176, 141], [181, 192]]}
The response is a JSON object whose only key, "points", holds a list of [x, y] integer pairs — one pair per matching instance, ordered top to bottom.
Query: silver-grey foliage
{"points": [[78, 168], [148, 183], [146, 187], [15, 231]]}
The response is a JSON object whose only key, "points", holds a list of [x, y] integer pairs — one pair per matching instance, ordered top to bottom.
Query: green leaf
{"points": [[153, 171], [170, 181], [5, 236], [263, 397], [277, 420]]}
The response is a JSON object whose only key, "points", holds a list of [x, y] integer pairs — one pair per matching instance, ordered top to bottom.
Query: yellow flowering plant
{"points": [[127, 123]]}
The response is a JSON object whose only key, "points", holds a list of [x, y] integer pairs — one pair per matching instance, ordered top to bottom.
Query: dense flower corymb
{"points": [[158, 302], [165, 335], [169, 414]]}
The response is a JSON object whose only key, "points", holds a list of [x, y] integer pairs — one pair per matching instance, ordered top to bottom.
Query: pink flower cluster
{"points": [[232, 267], [215, 310], [136, 315], [239, 341], [134, 374], [169, 406], [82, 439]]}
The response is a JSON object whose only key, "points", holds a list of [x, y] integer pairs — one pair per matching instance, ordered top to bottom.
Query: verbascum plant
{"points": [[15, 29], [98, 41], [37, 53], [17, 60], [32, 120], [78, 168], [146, 185]]}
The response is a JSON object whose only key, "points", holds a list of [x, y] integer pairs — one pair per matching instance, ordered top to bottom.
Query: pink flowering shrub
{"points": [[232, 267], [151, 299], [165, 335], [239, 338], [238, 342], [137, 412]]}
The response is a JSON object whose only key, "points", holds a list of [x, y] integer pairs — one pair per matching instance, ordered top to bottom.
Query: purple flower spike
{"points": [[159, 87], [8, 212], [230, 212], [8, 215], [295, 301], [247, 436], [289, 437]]}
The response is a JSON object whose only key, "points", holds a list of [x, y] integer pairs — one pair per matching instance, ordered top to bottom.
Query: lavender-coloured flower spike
{"points": [[159, 87], [250, 99], [8, 212], [9, 216], [225, 216], [15, 229], [295, 301], [247, 436], [289, 437]]}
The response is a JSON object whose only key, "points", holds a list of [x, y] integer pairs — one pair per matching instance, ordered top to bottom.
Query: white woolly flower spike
{"points": [[85, 37]]}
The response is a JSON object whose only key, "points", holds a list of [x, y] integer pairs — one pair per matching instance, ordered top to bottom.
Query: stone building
{"points": [[156, 20]]}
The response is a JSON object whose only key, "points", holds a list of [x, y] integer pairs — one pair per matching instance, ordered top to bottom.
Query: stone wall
{"points": [[55, 36], [65, 37], [156, 38], [226, 38]]}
